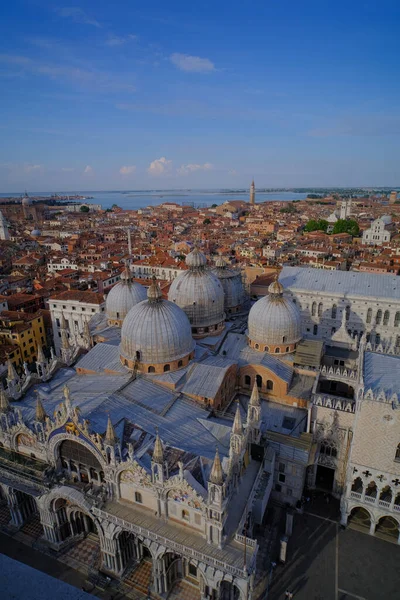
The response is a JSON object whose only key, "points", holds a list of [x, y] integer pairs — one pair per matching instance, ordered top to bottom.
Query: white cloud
{"points": [[77, 15], [117, 40], [193, 64], [105, 81], [160, 166], [32, 168], [192, 168], [88, 170], [127, 170]]}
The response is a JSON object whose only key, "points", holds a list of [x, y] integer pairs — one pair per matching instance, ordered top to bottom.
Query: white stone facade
{"points": [[377, 234], [76, 313]]}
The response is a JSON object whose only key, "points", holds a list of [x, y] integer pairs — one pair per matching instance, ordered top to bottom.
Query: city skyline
{"points": [[100, 97]]}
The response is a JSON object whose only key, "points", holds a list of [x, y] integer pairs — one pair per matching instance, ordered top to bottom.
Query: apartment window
{"points": [[54, 305], [64, 306], [73, 308], [83, 309], [92, 309], [58, 322], [40, 330], [315, 330], [30, 341], [282, 467], [282, 477], [138, 497], [192, 570]]}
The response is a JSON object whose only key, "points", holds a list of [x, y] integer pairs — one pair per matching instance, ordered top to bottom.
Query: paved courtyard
{"points": [[325, 562]]}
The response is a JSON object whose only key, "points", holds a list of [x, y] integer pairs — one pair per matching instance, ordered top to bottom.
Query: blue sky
{"points": [[125, 95]]}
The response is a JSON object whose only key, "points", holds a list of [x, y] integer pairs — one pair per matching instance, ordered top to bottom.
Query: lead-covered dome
{"points": [[231, 281], [200, 294], [122, 297], [274, 322], [156, 335]]}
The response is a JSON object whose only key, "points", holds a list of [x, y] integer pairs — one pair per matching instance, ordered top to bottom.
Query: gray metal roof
{"points": [[341, 283], [102, 356], [381, 372], [206, 377]]}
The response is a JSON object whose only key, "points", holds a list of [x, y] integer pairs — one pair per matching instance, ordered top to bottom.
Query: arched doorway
{"points": [[360, 517], [387, 526], [137, 563], [228, 591]]}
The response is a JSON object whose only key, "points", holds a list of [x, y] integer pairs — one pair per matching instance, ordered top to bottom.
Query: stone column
{"points": [[14, 505], [372, 528], [111, 559]]}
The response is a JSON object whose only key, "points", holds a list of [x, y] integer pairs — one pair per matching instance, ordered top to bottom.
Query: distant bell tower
{"points": [[252, 193], [4, 235]]}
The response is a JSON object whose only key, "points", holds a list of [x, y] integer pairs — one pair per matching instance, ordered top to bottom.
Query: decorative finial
{"points": [[154, 293]]}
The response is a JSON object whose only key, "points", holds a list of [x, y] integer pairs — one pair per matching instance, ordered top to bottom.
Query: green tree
{"points": [[214, 205], [84, 209], [206, 221], [314, 225], [346, 226]]}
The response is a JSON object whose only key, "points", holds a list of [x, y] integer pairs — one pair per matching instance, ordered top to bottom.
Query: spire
{"points": [[154, 293], [40, 355], [11, 372], [255, 396], [4, 403], [40, 413], [237, 423], [111, 437], [158, 452], [216, 475]]}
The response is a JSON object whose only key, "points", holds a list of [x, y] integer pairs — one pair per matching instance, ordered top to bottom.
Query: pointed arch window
{"points": [[314, 309], [320, 309], [334, 311], [347, 312], [369, 315], [379, 317], [386, 317], [397, 319], [270, 386], [397, 456]]}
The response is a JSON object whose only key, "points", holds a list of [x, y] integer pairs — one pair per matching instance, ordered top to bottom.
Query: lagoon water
{"points": [[140, 199]]}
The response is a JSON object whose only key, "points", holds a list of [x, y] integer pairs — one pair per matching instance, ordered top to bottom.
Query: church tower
{"points": [[252, 193], [4, 234]]}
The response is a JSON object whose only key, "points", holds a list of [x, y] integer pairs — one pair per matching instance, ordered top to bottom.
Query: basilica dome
{"points": [[231, 281], [200, 294], [122, 297], [274, 322], [156, 333]]}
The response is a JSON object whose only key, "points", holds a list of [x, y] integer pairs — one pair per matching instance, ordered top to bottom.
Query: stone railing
{"points": [[339, 373], [334, 402], [385, 504], [245, 541], [170, 544]]}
